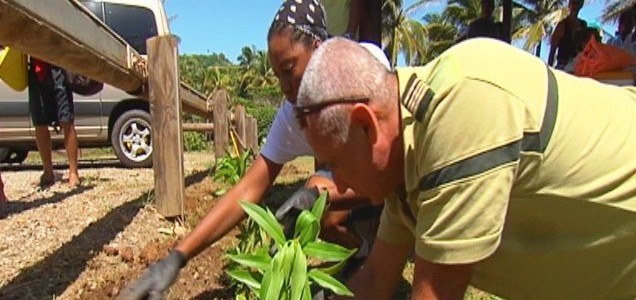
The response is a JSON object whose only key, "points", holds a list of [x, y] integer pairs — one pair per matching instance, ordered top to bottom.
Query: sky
{"points": [[226, 26]]}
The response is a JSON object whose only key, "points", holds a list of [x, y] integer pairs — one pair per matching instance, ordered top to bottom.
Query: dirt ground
{"points": [[89, 242]]}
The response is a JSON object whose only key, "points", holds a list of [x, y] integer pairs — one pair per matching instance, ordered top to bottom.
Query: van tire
{"points": [[131, 139], [13, 156]]}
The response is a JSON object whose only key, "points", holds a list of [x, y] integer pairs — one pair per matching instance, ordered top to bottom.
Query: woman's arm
{"points": [[227, 213]]}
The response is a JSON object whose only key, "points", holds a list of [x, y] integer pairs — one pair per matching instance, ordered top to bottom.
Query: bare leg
{"points": [[43, 141], [70, 143], [3, 197]]}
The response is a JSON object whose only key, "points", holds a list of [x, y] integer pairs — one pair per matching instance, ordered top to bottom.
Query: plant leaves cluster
{"points": [[298, 265]]}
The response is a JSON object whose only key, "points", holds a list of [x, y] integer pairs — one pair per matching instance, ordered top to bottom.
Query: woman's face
{"points": [[289, 59]]}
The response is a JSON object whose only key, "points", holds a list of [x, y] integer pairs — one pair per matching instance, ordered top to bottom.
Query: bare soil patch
{"points": [[89, 242]]}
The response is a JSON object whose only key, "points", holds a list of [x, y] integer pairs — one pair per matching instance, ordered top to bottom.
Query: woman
{"points": [[298, 28], [568, 38]]}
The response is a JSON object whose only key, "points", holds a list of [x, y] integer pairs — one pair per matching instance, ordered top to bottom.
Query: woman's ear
{"points": [[316, 44], [363, 116]]}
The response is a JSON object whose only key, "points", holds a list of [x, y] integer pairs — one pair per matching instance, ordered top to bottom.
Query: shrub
{"points": [[194, 141]]}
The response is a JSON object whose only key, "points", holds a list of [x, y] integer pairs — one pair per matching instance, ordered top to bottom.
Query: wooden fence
{"points": [[64, 33]]}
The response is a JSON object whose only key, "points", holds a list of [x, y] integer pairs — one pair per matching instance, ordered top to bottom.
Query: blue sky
{"points": [[224, 26]]}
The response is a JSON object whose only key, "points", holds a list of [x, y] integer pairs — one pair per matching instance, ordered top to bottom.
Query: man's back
{"points": [[538, 168]]}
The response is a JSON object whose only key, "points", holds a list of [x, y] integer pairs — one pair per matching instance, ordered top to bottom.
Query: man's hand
{"points": [[304, 198], [156, 280]]}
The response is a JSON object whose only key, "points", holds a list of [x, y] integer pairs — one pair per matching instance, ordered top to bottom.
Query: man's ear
{"points": [[363, 116]]}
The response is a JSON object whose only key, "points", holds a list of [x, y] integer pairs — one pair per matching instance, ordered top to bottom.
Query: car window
{"points": [[96, 8], [134, 24]]}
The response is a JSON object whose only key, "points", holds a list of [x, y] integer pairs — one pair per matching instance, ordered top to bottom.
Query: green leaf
{"points": [[319, 207], [266, 220], [307, 227], [327, 251], [260, 262], [334, 268], [298, 276], [245, 277], [274, 277], [326, 281], [306, 290]]}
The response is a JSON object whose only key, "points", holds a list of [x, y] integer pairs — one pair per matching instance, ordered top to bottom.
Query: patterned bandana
{"points": [[307, 16]]}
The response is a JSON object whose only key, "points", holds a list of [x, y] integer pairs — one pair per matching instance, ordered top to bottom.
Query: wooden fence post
{"points": [[240, 124], [221, 132], [252, 134], [167, 137]]}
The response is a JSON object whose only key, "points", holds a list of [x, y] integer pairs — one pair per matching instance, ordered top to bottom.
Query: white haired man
{"points": [[499, 171]]}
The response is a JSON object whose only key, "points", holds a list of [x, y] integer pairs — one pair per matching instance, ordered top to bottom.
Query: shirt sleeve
{"points": [[285, 140], [467, 156], [393, 229]]}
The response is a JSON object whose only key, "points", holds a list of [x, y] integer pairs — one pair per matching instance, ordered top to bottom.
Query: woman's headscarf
{"points": [[307, 16]]}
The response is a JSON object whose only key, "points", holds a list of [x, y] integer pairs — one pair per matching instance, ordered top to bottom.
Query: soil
{"points": [[87, 243]]}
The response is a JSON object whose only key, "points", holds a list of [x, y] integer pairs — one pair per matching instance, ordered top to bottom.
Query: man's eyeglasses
{"points": [[303, 111]]}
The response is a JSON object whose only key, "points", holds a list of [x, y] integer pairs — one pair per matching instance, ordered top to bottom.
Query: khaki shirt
{"points": [[529, 173]]}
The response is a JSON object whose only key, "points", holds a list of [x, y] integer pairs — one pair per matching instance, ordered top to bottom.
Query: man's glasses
{"points": [[303, 111]]}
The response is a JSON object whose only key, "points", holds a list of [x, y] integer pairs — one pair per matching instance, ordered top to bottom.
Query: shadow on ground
{"points": [[82, 164], [15, 207], [55, 273]]}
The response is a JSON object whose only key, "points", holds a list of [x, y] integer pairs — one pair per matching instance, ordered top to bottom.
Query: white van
{"points": [[110, 117]]}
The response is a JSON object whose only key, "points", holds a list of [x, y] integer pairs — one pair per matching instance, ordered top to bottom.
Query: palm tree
{"points": [[614, 8], [461, 13], [538, 19], [401, 34], [440, 35], [248, 56], [218, 78]]}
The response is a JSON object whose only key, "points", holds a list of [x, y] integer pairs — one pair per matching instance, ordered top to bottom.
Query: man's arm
{"points": [[227, 212], [381, 273], [433, 281]]}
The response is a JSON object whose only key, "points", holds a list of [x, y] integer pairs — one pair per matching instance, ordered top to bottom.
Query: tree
{"points": [[614, 8], [538, 18], [401, 34], [440, 34]]}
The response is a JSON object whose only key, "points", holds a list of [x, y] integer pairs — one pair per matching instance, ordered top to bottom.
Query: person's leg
{"points": [[66, 116], [43, 141], [70, 143], [3, 196]]}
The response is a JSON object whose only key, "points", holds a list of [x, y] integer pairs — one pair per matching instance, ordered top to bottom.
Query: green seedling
{"points": [[298, 264]]}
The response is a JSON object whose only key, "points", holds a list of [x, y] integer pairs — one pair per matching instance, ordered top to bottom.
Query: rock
{"points": [[110, 250], [127, 254]]}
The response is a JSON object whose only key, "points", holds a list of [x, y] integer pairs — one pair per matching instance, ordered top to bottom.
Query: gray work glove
{"points": [[304, 198], [156, 280]]}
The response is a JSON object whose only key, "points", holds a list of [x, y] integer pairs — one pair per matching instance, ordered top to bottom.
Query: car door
{"points": [[15, 120]]}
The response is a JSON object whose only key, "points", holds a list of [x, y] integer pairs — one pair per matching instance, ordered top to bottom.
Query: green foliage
{"points": [[263, 111], [194, 141], [230, 169], [298, 262]]}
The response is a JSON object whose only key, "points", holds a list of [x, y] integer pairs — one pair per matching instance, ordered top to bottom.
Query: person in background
{"points": [[343, 17], [485, 26], [625, 27], [295, 33], [568, 38], [629, 43], [51, 104], [484, 177], [3, 196]]}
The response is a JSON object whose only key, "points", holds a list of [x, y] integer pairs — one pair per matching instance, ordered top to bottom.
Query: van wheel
{"points": [[131, 140], [4, 155], [13, 156]]}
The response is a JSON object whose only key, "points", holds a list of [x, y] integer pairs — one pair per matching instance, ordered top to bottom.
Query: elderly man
{"points": [[498, 171]]}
